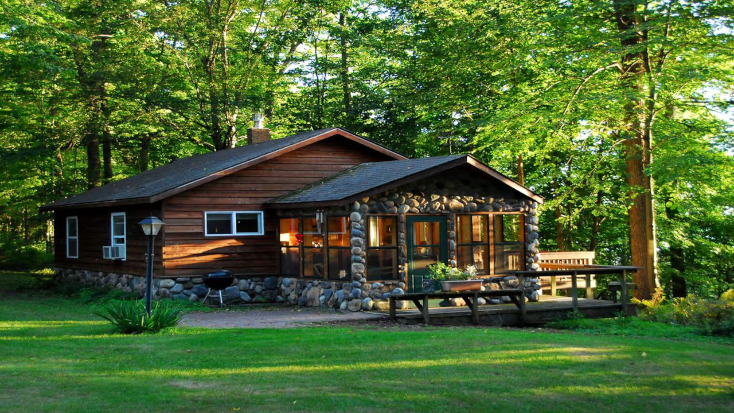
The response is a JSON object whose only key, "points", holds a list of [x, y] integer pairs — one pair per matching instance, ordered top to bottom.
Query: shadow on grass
{"points": [[57, 356], [342, 370]]}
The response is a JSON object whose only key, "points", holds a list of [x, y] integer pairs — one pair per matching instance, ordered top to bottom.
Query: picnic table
{"points": [[470, 298]]}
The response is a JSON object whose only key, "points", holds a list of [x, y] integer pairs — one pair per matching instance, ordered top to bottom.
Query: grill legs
{"points": [[221, 300]]}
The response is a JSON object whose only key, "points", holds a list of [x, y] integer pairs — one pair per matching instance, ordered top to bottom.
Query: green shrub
{"points": [[16, 255], [709, 316], [129, 317], [627, 326]]}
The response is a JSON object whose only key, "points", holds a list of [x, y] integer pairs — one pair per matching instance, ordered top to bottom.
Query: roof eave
{"points": [[507, 181], [85, 205]]}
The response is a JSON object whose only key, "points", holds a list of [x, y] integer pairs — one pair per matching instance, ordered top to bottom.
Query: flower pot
{"points": [[461, 285]]}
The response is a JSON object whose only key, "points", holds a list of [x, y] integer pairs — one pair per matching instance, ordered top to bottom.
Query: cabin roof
{"points": [[178, 176], [374, 177]]}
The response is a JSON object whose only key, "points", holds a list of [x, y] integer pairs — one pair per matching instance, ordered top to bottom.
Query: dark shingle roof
{"points": [[371, 177], [361, 178], [143, 186]]}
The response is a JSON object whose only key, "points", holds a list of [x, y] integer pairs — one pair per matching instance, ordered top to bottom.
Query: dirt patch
{"points": [[273, 317]]}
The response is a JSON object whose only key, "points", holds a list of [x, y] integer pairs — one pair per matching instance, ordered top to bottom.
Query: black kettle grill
{"points": [[218, 280]]}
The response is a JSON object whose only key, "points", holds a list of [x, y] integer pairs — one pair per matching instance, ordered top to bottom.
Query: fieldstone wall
{"points": [[447, 198], [352, 296]]}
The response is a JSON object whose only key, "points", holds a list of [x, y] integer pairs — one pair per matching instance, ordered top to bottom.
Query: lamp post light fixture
{"points": [[150, 226]]}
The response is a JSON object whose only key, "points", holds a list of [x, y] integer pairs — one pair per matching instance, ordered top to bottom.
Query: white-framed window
{"points": [[229, 223], [118, 231], [72, 237]]}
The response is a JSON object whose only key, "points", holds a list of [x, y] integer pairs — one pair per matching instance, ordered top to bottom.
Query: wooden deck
{"points": [[548, 309]]}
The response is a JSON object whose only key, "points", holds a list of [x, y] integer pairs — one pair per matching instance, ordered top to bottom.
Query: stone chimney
{"points": [[257, 133]]}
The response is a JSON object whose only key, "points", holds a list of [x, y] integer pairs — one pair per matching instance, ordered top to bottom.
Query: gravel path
{"points": [[274, 317]]}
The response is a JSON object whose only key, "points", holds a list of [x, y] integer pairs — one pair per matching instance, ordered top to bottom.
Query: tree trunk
{"points": [[347, 95], [215, 125], [91, 141], [144, 152], [107, 155], [520, 170], [58, 185], [558, 213], [596, 224], [559, 229], [642, 242], [677, 259]]}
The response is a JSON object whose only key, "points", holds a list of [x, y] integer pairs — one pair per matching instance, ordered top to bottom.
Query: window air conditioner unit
{"points": [[114, 252]]}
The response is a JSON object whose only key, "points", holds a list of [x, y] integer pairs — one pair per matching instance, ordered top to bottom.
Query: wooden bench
{"points": [[567, 260], [470, 298]]}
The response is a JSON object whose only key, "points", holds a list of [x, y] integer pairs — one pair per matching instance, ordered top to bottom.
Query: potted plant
{"points": [[436, 274], [452, 278], [458, 280]]}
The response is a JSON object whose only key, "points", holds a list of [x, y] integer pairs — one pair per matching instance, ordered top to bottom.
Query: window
{"points": [[228, 223], [119, 234], [72, 237], [473, 242], [509, 243], [313, 249], [290, 251], [340, 251], [382, 251], [309, 253]]}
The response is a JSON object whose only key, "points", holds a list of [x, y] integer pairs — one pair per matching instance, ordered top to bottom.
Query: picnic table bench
{"points": [[470, 298]]}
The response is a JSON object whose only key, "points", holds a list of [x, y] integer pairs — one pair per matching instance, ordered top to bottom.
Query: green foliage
{"points": [[159, 81], [16, 254], [442, 272], [103, 295], [708, 316], [130, 317], [629, 327]]}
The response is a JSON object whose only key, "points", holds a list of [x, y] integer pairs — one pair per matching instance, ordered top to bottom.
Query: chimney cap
{"points": [[258, 119]]}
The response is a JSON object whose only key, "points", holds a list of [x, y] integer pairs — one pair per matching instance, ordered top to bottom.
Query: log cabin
{"points": [[320, 217]]}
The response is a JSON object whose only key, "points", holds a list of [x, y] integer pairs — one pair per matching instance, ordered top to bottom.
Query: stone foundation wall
{"points": [[350, 295]]}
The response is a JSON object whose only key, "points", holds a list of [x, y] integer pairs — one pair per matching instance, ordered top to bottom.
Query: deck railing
{"points": [[584, 271]]}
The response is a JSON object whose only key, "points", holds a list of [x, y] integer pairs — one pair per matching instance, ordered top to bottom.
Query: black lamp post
{"points": [[151, 226]]}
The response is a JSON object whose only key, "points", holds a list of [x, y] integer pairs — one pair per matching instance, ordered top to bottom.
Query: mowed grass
{"points": [[56, 356]]}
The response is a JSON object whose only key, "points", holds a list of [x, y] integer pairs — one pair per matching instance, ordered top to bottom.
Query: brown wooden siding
{"points": [[95, 232], [188, 252]]}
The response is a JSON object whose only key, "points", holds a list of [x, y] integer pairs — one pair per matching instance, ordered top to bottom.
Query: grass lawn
{"points": [[56, 356]]}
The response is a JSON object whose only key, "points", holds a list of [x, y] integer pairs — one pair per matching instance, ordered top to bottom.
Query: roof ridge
{"points": [[185, 173]]}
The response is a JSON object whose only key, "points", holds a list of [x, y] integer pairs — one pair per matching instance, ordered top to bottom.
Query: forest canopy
{"points": [[618, 112]]}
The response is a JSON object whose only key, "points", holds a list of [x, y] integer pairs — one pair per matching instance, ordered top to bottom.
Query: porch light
{"points": [[320, 219], [150, 226]]}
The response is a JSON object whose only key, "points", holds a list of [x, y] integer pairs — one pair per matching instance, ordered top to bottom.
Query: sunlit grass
{"points": [[12, 325], [55, 356]]}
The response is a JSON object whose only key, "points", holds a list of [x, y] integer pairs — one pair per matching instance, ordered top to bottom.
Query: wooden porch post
{"points": [[589, 290], [623, 291], [574, 293], [521, 299]]}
